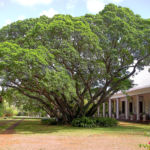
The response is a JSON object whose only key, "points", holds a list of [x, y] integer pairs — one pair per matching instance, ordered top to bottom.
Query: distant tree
{"points": [[71, 65], [24, 104], [6, 110]]}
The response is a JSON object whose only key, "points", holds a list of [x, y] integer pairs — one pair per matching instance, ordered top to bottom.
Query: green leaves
{"points": [[64, 60]]}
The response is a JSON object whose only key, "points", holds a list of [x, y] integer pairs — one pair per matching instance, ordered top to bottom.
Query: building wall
{"points": [[142, 97], [133, 99], [147, 103]]}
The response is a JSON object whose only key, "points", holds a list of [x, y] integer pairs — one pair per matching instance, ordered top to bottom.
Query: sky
{"points": [[13, 10]]}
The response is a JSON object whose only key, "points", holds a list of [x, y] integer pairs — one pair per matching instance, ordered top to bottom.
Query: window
{"points": [[141, 104], [123, 107], [131, 107], [140, 107]]}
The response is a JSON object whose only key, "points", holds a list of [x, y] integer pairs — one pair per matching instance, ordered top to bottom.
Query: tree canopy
{"points": [[71, 65]]}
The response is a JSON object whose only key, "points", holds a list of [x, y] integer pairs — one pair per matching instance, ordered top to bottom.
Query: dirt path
{"points": [[10, 130], [53, 142]]}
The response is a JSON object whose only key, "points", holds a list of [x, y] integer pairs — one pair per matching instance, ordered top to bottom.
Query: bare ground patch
{"points": [[49, 142]]}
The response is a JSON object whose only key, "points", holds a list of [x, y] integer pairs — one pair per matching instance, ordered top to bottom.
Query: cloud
{"points": [[115, 1], [32, 2], [2, 4], [71, 4], [94, 6], [49, 13], [21, 18], [8, 21], [142, 78]]}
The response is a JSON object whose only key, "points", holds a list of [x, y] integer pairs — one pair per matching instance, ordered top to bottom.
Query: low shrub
{"points": [[48, 121], [84, 122], [94, 122], [106, 122], [145, 146]]}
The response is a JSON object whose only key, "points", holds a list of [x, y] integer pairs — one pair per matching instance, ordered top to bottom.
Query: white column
{"points": [[110, 108], [117, 108], [137, 108], [103, 109], [126, 109], [98, 111]]}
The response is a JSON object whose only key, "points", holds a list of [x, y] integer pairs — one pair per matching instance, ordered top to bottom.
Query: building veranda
{"points": [[133, 105]]}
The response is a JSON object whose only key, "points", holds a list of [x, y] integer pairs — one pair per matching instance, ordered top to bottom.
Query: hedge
{"points": [[94, 122]]}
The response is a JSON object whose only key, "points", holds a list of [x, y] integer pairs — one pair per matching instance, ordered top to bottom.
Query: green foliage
{"points": [[64, 60], [25, 105], [1, 109], [6, 110], [48, 121], [85, 122], [94, 122], [106, 122], [145, 146]]}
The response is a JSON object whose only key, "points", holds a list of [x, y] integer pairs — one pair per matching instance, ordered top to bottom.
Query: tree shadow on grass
{"points": [[5, 124], [35, 127], [128, 128]]}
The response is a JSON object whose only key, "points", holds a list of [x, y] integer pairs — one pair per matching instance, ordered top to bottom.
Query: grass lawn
{"points": [[5, 123], [34, 126], [32, 135]]}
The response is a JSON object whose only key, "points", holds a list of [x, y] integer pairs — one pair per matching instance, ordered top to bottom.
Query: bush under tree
{"points": [[88, 122]]}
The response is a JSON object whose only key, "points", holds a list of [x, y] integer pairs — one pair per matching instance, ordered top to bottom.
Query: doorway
{"points": [[123, 107], [131, 107], [141, 107]]}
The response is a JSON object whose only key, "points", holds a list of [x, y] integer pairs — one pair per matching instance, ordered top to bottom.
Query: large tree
{"points": [[73, 64]]}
